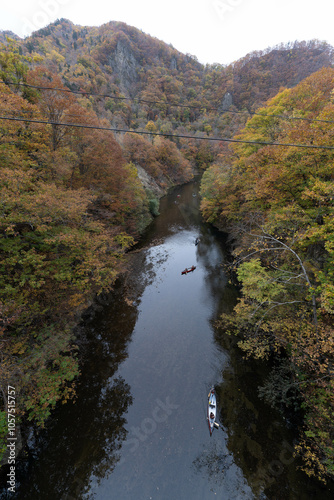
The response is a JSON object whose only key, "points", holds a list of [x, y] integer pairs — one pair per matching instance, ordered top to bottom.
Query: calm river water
{"points": [[138, 429]]}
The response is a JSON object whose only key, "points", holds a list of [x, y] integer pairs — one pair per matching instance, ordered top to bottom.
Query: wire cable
{"points": [[166, 103], [117, 130]]}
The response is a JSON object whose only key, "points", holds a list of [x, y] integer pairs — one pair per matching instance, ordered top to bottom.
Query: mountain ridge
{"points": [[124, 50], [75, 198]]}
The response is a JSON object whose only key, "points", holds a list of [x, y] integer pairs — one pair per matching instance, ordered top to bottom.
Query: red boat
{"points": [[188, 270]]}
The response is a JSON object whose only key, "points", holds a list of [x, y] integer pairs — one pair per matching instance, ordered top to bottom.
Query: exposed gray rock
{"points": [[173, 63], [124, 64], [227, 101], [148, 182]]}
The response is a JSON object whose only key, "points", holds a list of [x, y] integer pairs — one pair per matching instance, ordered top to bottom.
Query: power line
{"points": [[117, 98], [166, 103], [29, 112], [117, 130]]}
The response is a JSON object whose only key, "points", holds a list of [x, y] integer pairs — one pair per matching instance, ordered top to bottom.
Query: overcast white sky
{"points": [[213, 30]]}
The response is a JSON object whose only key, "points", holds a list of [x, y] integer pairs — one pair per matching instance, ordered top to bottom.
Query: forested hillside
{"points": [[140, 79], [74, 198], [277, 202], [71, 204]]}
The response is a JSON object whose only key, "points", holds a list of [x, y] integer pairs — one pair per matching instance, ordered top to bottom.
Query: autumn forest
{"points": [[140, 118]]}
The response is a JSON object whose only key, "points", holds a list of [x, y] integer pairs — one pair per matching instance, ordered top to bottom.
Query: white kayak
{"points": [[212, 410]]}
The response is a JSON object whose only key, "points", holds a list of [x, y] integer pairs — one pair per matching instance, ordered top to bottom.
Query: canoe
{"points": [[188, 270], [212, 410]]}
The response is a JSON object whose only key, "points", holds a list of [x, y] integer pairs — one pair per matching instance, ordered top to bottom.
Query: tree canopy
{"points": [[72, 201], [277, 202], [71, 205]]}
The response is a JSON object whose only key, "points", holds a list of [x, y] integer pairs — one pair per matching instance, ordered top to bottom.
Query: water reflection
{"points": [[172, 361], [138, 428], [83, 439], [259, 439], [217, 465]]}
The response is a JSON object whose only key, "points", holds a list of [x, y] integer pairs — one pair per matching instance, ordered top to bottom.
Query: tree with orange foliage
{"points": [[54, 101], [21, 143], [140, 151], [173, 164], [278, 202]]}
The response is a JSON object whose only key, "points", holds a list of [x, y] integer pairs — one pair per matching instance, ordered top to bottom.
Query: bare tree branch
{"points": [[283, 246]]}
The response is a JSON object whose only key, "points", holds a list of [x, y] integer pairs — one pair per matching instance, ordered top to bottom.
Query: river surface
{"points": [[138, 429]]}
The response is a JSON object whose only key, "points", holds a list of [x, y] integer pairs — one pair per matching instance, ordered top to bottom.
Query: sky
{"points": [[215, 31]]}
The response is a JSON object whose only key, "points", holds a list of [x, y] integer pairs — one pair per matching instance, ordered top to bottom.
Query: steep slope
{"points": [[259, 75], [170, 88], [61, 187], [278, 204]]}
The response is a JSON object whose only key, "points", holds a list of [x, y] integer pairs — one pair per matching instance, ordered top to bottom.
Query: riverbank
{"points": [[54, 352], [148, 354]]}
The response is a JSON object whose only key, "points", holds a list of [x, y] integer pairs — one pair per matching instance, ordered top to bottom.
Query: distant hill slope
{"points": [[7, 33], [259, 75], [154, 78], [74, 198]]}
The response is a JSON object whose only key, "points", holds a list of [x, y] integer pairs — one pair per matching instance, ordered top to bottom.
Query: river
{"points": [[138, 429]]}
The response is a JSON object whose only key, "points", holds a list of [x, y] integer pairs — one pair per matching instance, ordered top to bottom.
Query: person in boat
{"points": [[212, 416]]}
